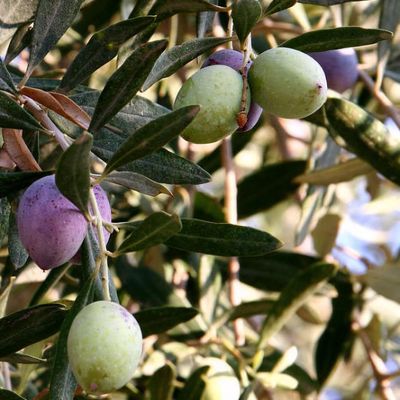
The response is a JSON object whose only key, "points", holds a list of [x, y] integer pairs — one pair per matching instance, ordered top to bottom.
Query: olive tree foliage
{"points": [[298, 295]]}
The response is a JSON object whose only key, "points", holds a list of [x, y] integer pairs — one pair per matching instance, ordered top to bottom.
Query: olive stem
{"points": [[102, 244]]}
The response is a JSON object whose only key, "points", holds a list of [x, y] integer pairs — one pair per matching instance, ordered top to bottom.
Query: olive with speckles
{"points": [[51, 227], [104, 347]]}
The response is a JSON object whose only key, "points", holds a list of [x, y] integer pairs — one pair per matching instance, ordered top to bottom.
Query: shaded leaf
{"points": [[326, 2], [278, 5], [166, 8], [13, 14], [245, 14], [53, 18], [389, 19], [205, 21], [336, 38], [20, 40], [102, 47], [173, 59], [6, 82], [125, 82], [12, 115], [152, 136], [366, 136], [18, 151], [73, 172], [342, 172], [11, 182], [138, 182], [268, 186], [207, 208], [5, 209], [155, 229], [222, 239], [16, 250], [274, 271], [51, 280], [385, 281], [151, 289], [294, 295], [251, 308], [157, 320], [23, 328], [337, 335], [21, 358], [62, 381], [161, 384], [195, 385], [9, 395]]}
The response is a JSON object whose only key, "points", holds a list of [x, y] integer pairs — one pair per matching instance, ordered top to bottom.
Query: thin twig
{"points": [[383, 100], [377, 364]]}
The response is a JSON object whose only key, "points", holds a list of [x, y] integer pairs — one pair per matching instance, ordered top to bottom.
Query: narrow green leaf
{"points": [[326, 2], [278, 5], [142, 7], [166, 8], [13, 14], [245, 14], [53, 18], [389, 19], [205, 21], [336, 38], [21, 39], [102, 47], [172, 59], [6, 82], [125, 82], [12, 115], [366, 136], [151, 137], [73, 172], [342, 172], [11, 182], [138, 182], [268, 186], [207, 208], [5, 209], [155, 229], [222, 239], [17, 252], [274, 271], [51, 280], [385, 281], [151, 289], [295, 294], [251, 308], [157, 320], [28, 326], [335, 339], [21, 358], [62, 381], [161, 384], [195, 385], [8, 395]]}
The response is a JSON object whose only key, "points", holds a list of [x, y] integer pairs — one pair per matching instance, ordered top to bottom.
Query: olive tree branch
{"points": [[45, 120]]}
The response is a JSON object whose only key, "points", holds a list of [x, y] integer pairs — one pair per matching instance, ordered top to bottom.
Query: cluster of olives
{"points": [[282, 81], [105, 341]]}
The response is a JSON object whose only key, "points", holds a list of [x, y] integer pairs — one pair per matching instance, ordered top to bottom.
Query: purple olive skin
{"points": [[234, 59], [340, 67], [50, 227]]}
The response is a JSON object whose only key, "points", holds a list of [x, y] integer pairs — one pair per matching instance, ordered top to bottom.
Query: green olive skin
{"points": [[287, 83], [218, 90], [104, 347]]}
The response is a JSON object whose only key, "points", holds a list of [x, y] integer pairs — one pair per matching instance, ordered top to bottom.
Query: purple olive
{"points": [[234, 59], [340, 67], [50, 227]]}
